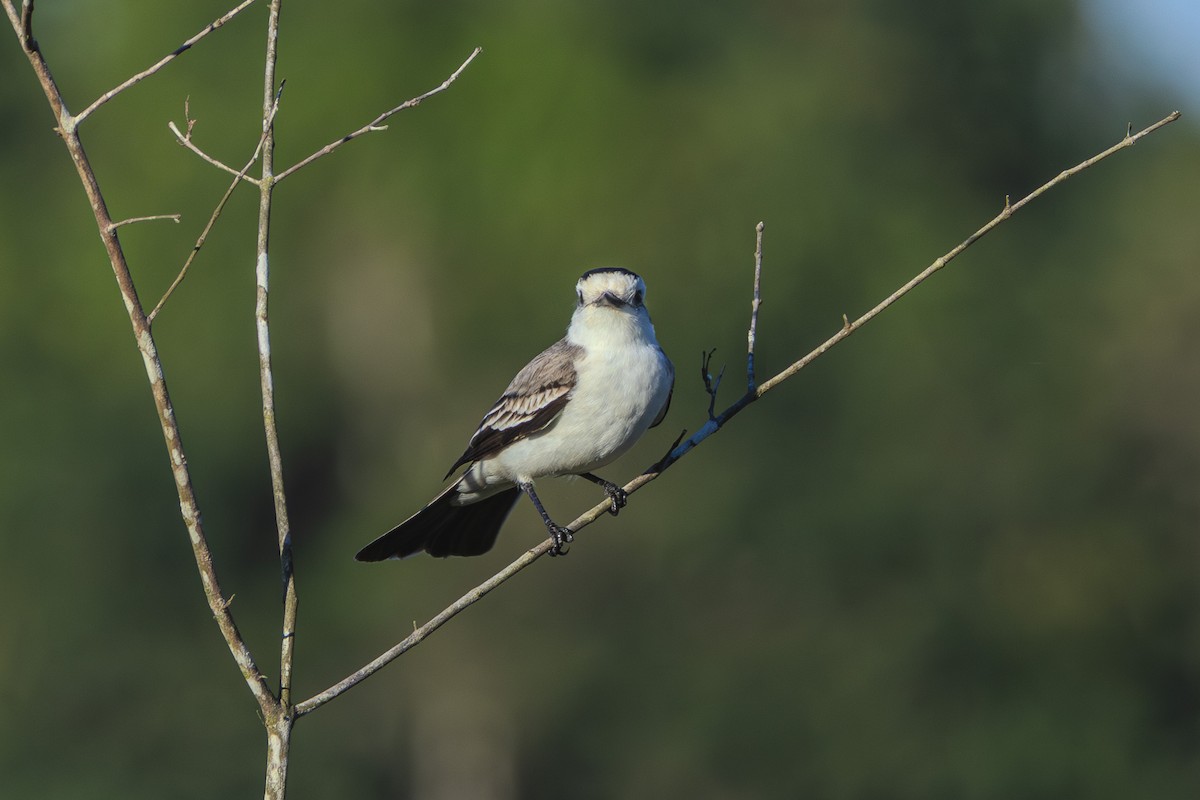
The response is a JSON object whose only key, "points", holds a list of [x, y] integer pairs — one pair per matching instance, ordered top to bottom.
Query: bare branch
{"points": [[22, 23], [27, 23], [167, 59], [374, 125], [186, 141], [1008, 211], [131, 220], [212, 220], [755, 303], [144, 337], [266, 379], [711, 384], [679, 450], [419, 634], [279, 727]]}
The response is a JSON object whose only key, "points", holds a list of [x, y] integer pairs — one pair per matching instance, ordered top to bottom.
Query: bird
{"points": [[574, 408]]}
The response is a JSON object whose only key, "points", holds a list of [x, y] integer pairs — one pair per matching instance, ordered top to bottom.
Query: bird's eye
{"points": [[579, 293]]}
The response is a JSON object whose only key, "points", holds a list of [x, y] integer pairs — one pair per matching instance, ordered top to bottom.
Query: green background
{"points": [[955, 558]]}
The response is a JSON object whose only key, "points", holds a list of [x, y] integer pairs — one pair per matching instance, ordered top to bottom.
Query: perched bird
{"points": [[574, 408]]}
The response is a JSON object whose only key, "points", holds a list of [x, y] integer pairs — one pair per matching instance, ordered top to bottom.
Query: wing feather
{"points": [[671, 391], [530, 403]]}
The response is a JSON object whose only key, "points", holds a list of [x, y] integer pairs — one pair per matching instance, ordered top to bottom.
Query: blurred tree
{"points": [[955, 559]]}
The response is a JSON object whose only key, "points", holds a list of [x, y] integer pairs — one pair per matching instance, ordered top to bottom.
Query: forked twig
{"points": [[187, 142], [212, 220], [714, 424]]}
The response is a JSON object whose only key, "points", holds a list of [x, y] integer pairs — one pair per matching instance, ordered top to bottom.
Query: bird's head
{"points": [[614, 287], [610, 309]]}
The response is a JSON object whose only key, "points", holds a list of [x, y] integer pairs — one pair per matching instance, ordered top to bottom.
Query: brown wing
{"points": [[530, 403]]}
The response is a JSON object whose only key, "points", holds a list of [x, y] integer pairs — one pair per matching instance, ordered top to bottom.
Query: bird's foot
{"points": [[617, 498], [561, 536]]}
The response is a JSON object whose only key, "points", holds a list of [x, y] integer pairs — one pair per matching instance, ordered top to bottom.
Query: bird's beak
{"points": [[610, 299]]}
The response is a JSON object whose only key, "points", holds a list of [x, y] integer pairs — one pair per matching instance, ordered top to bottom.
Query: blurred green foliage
{"points": [[955, 558]]}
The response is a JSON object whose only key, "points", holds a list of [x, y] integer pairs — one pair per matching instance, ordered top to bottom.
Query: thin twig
{"points": [[167, 59], [374, 125], [186, 141], [1008, 210], [131, 220], [212, 220], [755, 303], [711, 385], [679, 450], [419, 634]]}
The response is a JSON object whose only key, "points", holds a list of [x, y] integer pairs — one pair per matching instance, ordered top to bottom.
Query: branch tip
{"points": [[167, 59], [376, 125], [173, 217]]}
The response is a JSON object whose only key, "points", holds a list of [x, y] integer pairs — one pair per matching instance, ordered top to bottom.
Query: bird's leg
{"points": [[616, 495], [559, 534]]}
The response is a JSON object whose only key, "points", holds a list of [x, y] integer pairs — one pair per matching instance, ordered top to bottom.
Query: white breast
{"points": [[623, 380]]}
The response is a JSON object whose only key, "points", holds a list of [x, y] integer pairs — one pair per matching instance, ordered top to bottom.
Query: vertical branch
{"points": [[262, 279], [751, 383], [279, 726], [279, 743]]}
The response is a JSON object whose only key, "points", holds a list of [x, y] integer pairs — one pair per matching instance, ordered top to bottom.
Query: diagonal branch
{"points": [[167, 59], [374, 125], [1009, 209], [679, 450]]}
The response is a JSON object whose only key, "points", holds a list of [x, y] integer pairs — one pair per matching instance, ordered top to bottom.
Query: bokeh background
{"points": [[957, 557]]}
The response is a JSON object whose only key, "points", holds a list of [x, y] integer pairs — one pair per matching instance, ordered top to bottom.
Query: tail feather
{"points": [[443, 529]]}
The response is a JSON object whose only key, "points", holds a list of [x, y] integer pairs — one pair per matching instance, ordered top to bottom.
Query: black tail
{"points": [[442, 529]]}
